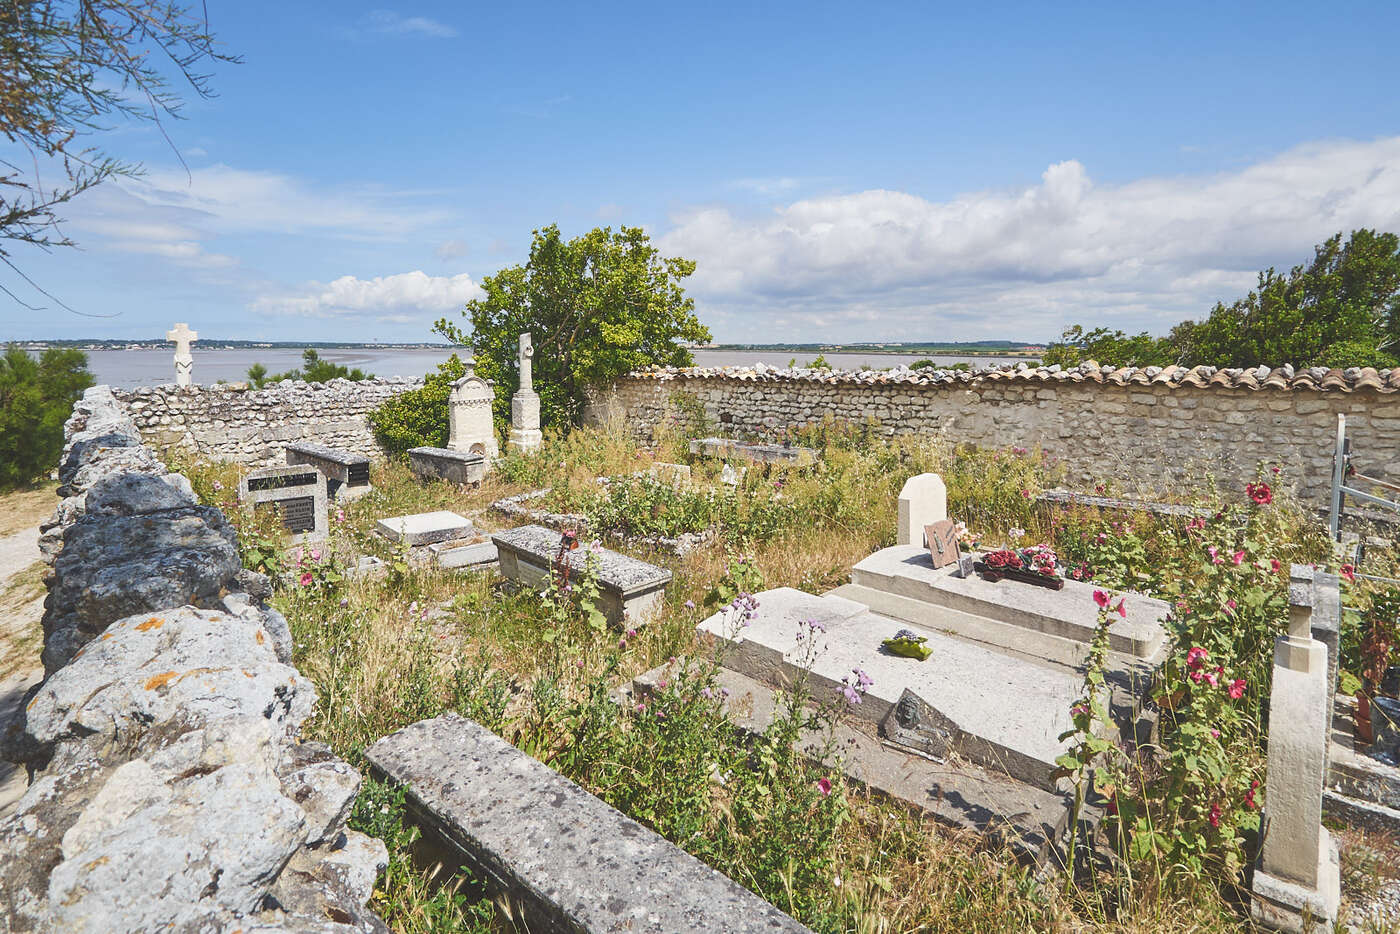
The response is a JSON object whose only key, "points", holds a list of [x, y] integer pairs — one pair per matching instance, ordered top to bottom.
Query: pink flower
{"points": [[1260, 493], [1026, 494], [1214, 554], [1238, 558], [1274, 565], [1348, 573], [306, 578], [1101, 598], [690, 604], [1230, 604], [1122, 610], [1196, 657], [1237, 689], [851, 695], [1214, 734], [824, 786], [1214, 817]]}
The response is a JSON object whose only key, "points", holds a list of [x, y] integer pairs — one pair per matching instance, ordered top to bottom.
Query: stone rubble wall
{"points": [[252, 426], [1142, 438], [168, 789]]}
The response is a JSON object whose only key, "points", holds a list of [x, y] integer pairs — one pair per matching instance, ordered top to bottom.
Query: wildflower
{"points": [[1277, 470], [218, 486], [1260, 493], [1025, 494], [340, 515], [1016, 533], [315, 554], [1214, 554], [1237, 558], [1274, 565], [1348, 573], [306, 578], [1101, 598], [344, 601], [690, 604], [1230, 605], [1122, 610], [631, 633], [622, 643], [1196, 657], [862, 679], [661, 685], [1236, 689], [706, 693], [851, 695], [641, 708], [1079, 710], [1214, 734], [824, 786], [1249, 795], [1215, 814]]}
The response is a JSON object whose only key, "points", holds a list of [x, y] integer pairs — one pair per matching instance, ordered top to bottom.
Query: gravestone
{"points": [[182, 336], [471, 429], [525, 434], [461, 467], [347, 474], [297, 492], [923, 501], [425, 528], [942, 537], [476, 552], [628, 589]]}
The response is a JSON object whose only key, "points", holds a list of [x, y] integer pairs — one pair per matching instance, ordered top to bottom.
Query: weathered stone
{"points": [[471, 428], [763, 453], [460, 467], [346, 473], [298, 493], [923, 500], [425, 528], [464, 553], [576, 864]]}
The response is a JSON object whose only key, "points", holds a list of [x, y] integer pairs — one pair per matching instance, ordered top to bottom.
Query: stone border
{"points": [[513, 507]]}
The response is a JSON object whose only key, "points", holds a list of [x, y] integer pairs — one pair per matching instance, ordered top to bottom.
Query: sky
{"points": [[839, 172]]}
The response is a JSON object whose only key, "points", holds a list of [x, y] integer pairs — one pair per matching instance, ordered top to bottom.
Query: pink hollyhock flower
{"points": [[1260, 493], [1214, 554], [1238, 558], [1274, 565], [1348, 573], [306, 578], [1101, 598], [1230, 604], [1122, 610], [1196, 657], [1237, 689], [824, 786], [1249, 795]]}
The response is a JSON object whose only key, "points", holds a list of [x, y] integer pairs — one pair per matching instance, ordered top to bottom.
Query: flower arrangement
{"points": [[1003, 558], [1035, 565], [908, 644]]}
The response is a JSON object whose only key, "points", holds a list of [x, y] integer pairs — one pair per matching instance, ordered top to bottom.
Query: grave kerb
{"points": [[753, 451], [298, 492]]}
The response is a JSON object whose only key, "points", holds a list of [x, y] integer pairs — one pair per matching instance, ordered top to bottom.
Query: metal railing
{"points": [[1343, 473]]}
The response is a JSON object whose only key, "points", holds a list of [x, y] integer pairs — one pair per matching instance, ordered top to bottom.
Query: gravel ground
{"points": [[1377, 914]]}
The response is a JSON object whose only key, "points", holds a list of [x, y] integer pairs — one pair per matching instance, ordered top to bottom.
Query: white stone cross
{"points": [[184, 362]]}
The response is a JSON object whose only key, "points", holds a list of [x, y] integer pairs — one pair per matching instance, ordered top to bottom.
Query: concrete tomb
{"points": [[182, 337], [471, 429], [525, 435], [761, 453], [460, 467], [347, 474], [297, 492], [922, 501], [425, 528], [629, 589], [565, 860], [1297, 878]]}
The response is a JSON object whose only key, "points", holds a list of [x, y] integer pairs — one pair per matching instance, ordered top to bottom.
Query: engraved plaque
{"points": [[286, 480], [942, 542]]}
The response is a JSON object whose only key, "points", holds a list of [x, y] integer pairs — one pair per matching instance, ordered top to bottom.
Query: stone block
{"points": [[762, 453], [458, 467], [347, 474], [298, 493], [923, 500], [425, 528], [464, 553], [629, 589], [542, 843]]}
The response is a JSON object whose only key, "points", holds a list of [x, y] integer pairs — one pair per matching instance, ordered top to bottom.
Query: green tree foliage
{"points": [[69, 67], [596, 306], [1340, 310], [314, 370], [35, 399], [418, 418]]}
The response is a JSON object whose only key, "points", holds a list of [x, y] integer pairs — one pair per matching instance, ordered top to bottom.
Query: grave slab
{"points": [[745, 450], [445, 464], [347, 474], [298, 493], [425, 528], [465, 553], [906, 571], [629, 589], [1001, 711], [571, 862]]}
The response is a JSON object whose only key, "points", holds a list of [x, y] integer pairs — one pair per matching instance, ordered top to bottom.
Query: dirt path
{"points": [[21, 608]]}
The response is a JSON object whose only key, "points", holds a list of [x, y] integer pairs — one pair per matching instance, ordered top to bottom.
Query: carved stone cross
{"points": [[527, 351], [184, 363]]}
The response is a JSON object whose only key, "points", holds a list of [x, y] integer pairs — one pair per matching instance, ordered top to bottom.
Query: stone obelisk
{"points": [[184, 362], [525, 434]]}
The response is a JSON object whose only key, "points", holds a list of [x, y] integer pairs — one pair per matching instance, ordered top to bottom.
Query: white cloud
{"points": [[391, 23], [766, 186], [451, 249], [880, 264], [404, 298]]}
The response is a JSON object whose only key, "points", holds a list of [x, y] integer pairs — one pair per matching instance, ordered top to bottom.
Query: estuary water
{"points": [[127, 369]]}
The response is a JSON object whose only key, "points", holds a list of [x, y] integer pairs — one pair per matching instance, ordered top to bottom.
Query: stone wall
{"points": [[252, 426], [1145, 430], [168, 788]]}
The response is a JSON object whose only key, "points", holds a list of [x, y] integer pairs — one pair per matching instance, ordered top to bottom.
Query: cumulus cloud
{"points": [[887, 264], [404, 298]]}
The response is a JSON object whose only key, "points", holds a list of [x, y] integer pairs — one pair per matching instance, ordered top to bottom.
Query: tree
{"points": [[66, 66], [596, 306], [1106, 347], [315, 370], [35, 399], [418, 418]]}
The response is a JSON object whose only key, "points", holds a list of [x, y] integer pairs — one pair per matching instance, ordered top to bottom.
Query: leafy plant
{"points": [[36, 397], [418, 418]]}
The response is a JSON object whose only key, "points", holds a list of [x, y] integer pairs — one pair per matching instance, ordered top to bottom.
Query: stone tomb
{"points": [[750, 451], [459, 467], [347, 474], [297, 492], [425, 528], [629, 589]]}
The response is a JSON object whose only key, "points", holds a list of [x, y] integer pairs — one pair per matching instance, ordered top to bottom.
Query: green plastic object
{"points": [[909, 645]]}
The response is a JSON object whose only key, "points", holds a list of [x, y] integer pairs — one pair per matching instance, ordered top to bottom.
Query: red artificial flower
{"points": [[1260, 493], [1002, 559]]}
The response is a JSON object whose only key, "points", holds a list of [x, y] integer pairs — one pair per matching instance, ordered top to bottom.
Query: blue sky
{"points": [[839, 172]]}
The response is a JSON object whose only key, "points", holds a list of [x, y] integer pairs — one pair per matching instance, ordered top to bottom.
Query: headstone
{"points": [[184, 361], [471, 429], [525, 435], [459, 467], [347, 474], [297, 492], [922, 502], [425, 528], [942, 537], [628, 588], [1297, 879]]}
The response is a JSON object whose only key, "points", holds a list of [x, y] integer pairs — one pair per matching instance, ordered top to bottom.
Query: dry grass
{"points": [[25, 508]]}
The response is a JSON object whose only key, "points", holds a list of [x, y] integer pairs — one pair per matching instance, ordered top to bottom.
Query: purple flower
{"points": [[863, 680]]}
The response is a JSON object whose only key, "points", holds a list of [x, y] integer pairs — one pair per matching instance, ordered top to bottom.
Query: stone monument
{"points": [[184, 362], [471, 430], [525, 434], [297, 492], [922, 501], [1297, 877]]}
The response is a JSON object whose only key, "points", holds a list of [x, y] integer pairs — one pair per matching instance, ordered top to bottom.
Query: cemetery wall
{"points": [[252, 426], [1135, 428], [168, 788]]}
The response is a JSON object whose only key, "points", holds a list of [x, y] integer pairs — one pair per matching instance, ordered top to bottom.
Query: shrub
{"points": [[314, 370], [35, 399], [418, 418]]}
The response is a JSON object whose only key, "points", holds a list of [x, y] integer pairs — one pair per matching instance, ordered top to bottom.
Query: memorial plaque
{"points": [[297, 492], [942, 542]]}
